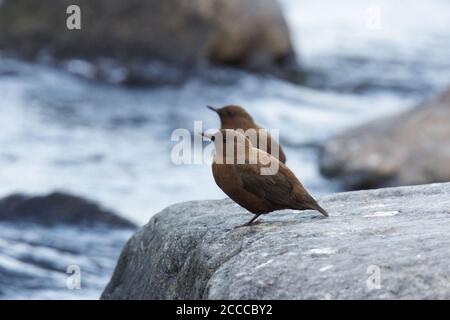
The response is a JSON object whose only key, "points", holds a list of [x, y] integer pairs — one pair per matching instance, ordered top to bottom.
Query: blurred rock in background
{"points": [[249, 34], [406, 149], [58, 208], [43, 238]]}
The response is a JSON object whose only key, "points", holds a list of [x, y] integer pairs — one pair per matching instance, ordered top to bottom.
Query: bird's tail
{"points": [[320, 209]]}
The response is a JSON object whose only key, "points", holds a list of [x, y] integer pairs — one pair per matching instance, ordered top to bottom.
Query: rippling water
{"points": [[112, 144]]}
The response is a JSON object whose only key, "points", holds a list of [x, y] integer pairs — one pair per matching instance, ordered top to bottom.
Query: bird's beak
{"points": [[216, 110], [205, 135]]}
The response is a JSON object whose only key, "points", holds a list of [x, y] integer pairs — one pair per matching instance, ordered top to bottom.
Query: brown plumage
{"points": [[236, 117], [238, 174]]}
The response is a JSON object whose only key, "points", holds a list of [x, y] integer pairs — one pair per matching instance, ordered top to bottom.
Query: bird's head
{"points": [[231, 117], [226, 136], [230, 143]]}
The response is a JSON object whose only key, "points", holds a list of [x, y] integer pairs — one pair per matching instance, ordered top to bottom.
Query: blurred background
{"points": [[89, 113]]}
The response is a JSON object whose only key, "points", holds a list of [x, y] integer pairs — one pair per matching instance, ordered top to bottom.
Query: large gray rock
{"points": [[245, 33], [410, 148], [193, 251]]}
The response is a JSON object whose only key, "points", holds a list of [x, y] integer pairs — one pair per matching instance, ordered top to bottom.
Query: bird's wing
{"points": [[271, 144], [276, 188]]}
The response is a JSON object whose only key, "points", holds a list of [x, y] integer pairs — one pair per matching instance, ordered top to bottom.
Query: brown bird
{"points": [[236, 117], [238, 168]]}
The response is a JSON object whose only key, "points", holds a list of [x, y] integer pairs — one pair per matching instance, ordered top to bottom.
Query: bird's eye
{"points": [[230, 113], [213, 138]]}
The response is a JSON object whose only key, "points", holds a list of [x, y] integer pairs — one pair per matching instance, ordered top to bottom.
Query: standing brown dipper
{"points": [[236, 117], [238, 174]]}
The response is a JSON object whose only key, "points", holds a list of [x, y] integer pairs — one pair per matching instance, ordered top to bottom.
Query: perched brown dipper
{"points": [[236, 117], [237, 171]]}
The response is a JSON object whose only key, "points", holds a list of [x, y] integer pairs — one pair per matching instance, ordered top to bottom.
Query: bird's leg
{"points": [[253, 219], [250, 222]]}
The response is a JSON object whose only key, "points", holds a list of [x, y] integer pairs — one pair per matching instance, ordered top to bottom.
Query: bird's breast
{"points": [[225, 177], [230, 183]]}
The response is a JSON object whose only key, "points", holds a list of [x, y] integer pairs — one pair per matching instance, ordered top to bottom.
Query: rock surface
{"points": [[252, 34], [410, 148], [193, 251]]}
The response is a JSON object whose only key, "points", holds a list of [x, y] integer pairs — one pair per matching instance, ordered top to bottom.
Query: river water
{"points": [[366, 59]]}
